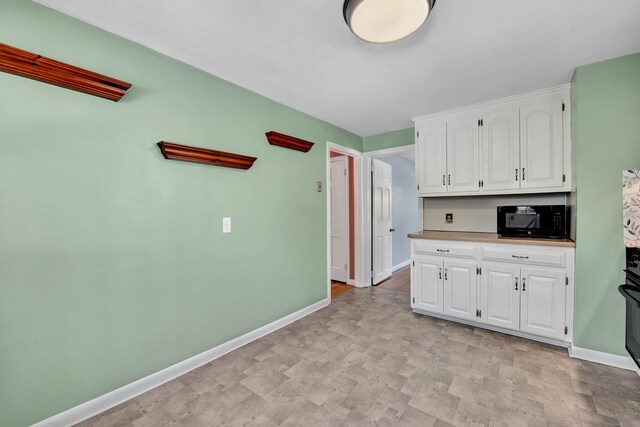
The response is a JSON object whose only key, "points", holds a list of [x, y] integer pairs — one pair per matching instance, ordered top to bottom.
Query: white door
{"points": [[541, 143], [501, 150], [462, 155], [431, 158], [339, 218], [381, 221], [426, 284], [460, 289], [500, 295], [543, 302]]}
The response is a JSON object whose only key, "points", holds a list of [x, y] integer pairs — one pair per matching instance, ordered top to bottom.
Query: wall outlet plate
{"points": [[319, 186], [448, 218]]}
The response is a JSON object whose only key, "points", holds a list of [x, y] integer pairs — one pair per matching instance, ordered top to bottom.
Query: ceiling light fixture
{"points": [[385, 21]]}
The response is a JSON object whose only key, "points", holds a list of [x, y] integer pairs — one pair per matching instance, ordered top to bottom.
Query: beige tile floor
{"points": [[367, 360]]}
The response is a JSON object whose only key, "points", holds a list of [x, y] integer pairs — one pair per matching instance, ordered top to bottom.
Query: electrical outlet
{"points": [[319, 186], [448, 218], [226, 225]]}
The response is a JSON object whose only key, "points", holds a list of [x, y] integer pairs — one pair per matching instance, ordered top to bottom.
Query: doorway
{"points": [[344, 209], [394, 212]]}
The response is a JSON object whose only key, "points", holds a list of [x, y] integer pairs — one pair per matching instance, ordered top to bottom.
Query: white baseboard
{"points": [[401, 265], [351, 282], [624, 362], [106, 401]]}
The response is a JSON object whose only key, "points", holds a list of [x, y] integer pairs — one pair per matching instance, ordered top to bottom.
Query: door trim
{"points": [[347, 194], [359, 234]]}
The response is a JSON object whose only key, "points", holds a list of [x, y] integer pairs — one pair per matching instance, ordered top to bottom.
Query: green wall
{"points": [[606, 137], [396, 138], [112, 261]]}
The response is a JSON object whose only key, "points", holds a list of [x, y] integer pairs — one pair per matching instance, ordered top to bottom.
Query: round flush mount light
{"points": [[385, 21]]}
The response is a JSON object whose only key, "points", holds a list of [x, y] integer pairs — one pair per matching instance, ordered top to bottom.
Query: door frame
{"points": [[347, 195], [367, 211], [359, 235]]}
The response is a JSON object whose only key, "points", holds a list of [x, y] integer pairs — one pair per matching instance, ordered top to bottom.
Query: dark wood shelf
{"points": [[36, 67], [286, 141], [186, 153]]}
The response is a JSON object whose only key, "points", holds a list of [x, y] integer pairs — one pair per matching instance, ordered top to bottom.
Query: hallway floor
{"points": [[399, 281], [368, 360]]}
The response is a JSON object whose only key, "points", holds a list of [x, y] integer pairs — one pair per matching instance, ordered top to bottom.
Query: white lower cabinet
{"points": [[426, 284], [445, 286], [460, 289], [500, 295], [518, 295], [542, 302]]}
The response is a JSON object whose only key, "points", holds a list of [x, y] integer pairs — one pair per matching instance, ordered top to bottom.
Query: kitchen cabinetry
{"points": [[510, 146], [521, 289]]}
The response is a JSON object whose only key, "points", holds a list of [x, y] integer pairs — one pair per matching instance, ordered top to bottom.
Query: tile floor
{"points": [[367, 360]]}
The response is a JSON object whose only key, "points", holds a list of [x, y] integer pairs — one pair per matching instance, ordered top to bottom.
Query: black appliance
{"points": [[550, 221], [631, 291]]}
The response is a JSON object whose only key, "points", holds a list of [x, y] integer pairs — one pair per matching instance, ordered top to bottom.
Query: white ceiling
{"points": [[300, 52]]}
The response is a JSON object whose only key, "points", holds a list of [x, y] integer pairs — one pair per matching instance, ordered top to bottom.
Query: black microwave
{"points": [[550, 221]]}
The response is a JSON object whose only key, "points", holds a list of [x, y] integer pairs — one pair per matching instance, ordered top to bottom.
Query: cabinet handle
{"points": [[516, 174], [523, 175], [449, 179], [444, 180], [442, 250], [519, 257], [440, 273], [445, 274], [516, 283], [524, 284]]}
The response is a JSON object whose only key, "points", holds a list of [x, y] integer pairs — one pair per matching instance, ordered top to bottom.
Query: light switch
{"points": [[448, 218], [226, 225]]}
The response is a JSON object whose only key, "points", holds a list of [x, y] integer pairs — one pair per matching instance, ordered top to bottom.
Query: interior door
{"points": [[541, 143], [501, 150], [462, 156], [431, 158], [339, 218], [381, 221], [426, 282], [460, 289], [500, 295], [543, 302]]}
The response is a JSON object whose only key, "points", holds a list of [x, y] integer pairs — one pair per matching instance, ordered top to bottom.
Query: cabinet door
{"points": [[501, 150], [541, 151], [462, 156], [431, 158], [426, 284], [460, 289], [500, 295], [543, 302]]}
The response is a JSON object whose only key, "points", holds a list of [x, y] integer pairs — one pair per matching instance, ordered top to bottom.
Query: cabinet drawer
{"points": [[429, 247], [549, 258]]}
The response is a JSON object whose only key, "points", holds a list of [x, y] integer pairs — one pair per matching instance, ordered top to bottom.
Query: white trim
{"points": [[495, 102], [393, 151], [401, 265], [351, 282], [520, 334], [623, 362], [109, 400]]}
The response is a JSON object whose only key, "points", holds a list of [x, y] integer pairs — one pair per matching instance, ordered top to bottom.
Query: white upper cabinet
{"points": [[541, 143], [514, 145], [501, 150], [431, 152], [462, 155]]}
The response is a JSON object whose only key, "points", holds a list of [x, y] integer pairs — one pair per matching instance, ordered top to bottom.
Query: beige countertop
{"points": [[490, 238]]}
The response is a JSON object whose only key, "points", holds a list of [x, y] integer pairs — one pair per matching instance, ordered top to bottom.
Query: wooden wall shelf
{"points": [[36, 67], [286, 141], [204, 155]]}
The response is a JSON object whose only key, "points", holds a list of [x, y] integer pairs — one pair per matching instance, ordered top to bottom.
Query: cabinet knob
{"points": [[516, 174], [391, 230], [516, 283], [524, 284]]}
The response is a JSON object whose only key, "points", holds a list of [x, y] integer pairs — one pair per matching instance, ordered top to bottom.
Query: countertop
{"points": [[490, 238]]}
